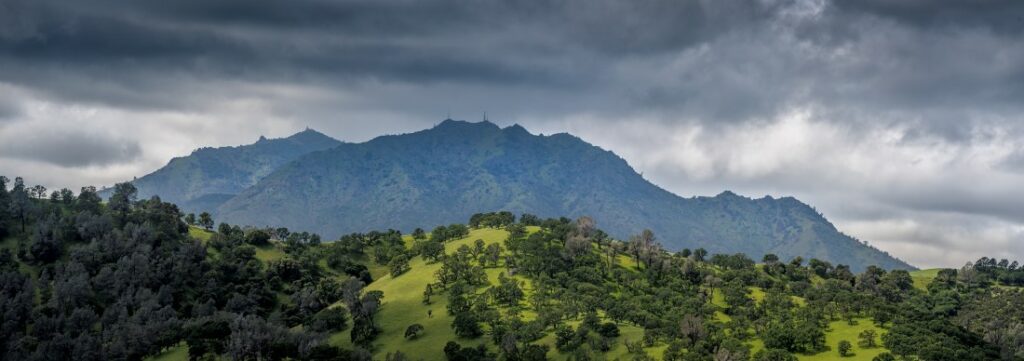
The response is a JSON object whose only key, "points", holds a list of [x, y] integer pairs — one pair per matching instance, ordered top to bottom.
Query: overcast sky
{"points": [[901, 120]]}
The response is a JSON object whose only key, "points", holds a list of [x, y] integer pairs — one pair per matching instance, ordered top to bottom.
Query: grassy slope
{"points": [[200, 234], [270, 252], [923, 277], [403, 306], [841, 330], [837, 331], [176, 353]]}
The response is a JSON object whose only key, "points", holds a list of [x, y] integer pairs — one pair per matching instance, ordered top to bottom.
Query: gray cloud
{"points": [[1003, 16], [719, 61], [9, 109], [896, 118], [67, 147]]}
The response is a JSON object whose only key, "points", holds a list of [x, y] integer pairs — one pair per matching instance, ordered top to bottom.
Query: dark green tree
{"points": [[122, 200], [206, 221], [844, 348]]}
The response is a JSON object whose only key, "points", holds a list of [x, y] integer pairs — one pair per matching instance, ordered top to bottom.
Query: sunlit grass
{"points": [[923, 277], [841, 330]]}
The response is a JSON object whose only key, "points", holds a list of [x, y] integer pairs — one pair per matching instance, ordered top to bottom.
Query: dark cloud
{"points": [[1003, 16], [143, 45], [715, 61], [911, 106], [68, 148]]}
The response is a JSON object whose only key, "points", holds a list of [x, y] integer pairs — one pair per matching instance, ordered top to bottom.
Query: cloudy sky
{"points": [[901, 120]]}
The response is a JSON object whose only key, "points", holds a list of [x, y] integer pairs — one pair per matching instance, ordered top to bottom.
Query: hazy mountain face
{"points": [[445, 174], [209, 176]]}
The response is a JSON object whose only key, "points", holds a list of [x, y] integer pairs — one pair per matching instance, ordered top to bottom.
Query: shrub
{"points": [[609, 329], [413, 331], [844, 348]]}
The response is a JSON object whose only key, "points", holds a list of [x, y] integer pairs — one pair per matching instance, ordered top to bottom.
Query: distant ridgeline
{"points": [[447, 173], [208, 177], [137, 279]]}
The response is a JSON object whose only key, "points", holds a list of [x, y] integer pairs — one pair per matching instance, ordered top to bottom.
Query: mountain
{"points": [[447, 173], [209, 176]]}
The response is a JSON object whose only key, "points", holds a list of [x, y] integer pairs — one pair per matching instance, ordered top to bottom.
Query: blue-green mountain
{"points": [[447, 173], [210, 176]]}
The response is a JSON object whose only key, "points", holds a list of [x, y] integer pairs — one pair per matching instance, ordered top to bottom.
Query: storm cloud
{"points": [[900, 120]]}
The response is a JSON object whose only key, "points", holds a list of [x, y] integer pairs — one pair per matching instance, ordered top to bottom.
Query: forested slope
{"points": [[129, 279]]}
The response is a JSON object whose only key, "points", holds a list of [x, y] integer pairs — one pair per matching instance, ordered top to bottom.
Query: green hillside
{"points": [[129, 279], [403, 306]]}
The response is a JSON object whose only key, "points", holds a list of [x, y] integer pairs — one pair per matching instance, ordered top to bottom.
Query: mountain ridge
{"points": [[448, 172], [209, 176]]}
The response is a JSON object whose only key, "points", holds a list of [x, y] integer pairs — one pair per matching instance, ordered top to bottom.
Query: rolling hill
{"points": [[449, 172]]}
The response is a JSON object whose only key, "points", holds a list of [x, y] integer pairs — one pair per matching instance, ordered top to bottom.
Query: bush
{"points": [[257, 237], [398, 265], [609, 329], [413, 331], [844, 348]]}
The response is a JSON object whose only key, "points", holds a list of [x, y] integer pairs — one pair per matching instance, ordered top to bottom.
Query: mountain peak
{"points": [[463, 124], [516, 129], [308, 132], [728, 194]]}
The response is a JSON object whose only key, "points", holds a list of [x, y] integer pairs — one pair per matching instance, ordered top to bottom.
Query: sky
{"points": [[901, 120]]}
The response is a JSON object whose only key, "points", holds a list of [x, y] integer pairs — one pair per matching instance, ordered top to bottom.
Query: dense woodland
{"points": [[131, 279]]}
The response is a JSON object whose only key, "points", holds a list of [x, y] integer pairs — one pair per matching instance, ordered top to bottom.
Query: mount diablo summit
{"points": [[447, 173]]}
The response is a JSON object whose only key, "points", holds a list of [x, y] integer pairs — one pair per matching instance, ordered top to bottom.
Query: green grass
{"points": [[200, 234], [270, 252], [266, 253], [923, 277], [757, 294], [718, 299], [403, 306], [841, 330], [755, 345], [176, 353]]}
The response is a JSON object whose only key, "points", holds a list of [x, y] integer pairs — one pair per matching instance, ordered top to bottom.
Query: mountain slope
{"points": [[447, 173], [209, 176]]}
